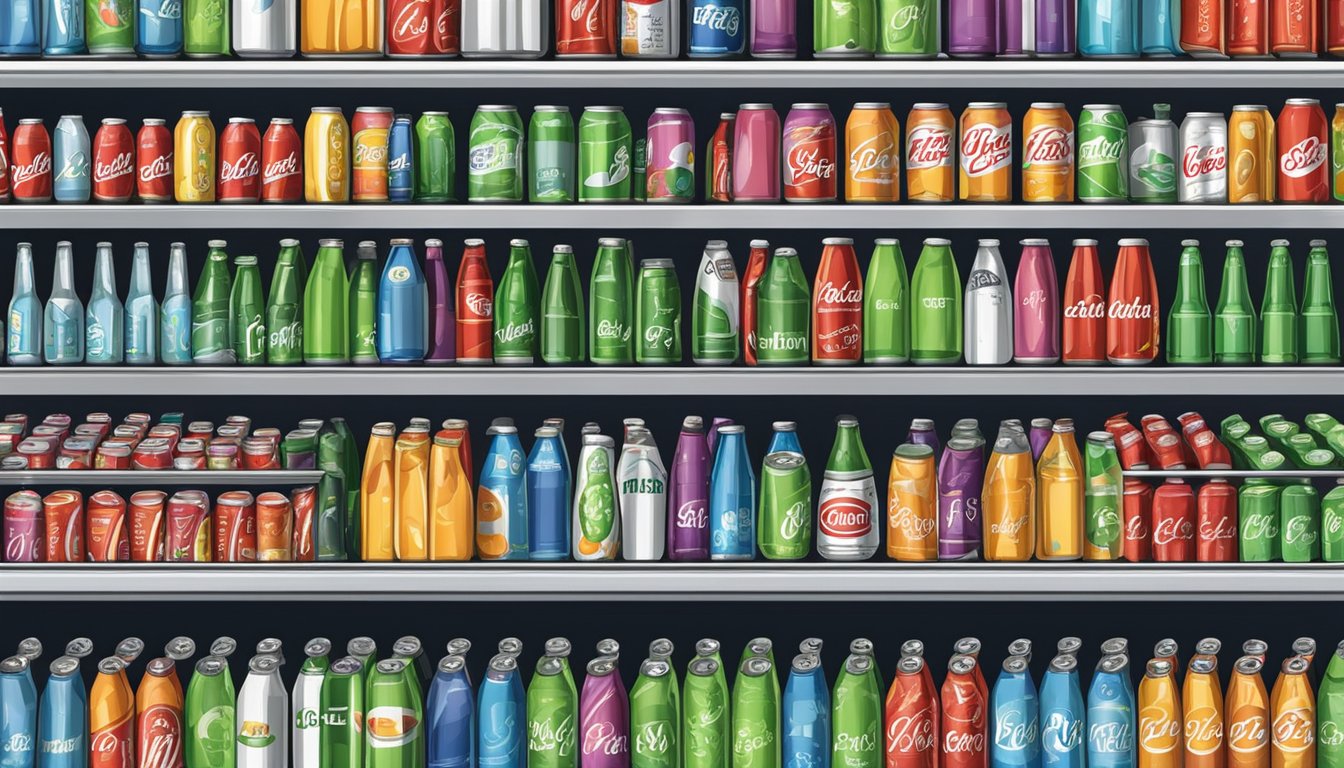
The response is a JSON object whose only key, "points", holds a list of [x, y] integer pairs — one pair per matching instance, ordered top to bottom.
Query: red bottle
{"points": [[585, 28], [1302, 135], [719, 158], [4, 160], [113, 162], [154, 162], [239, 162], [281, 163], [30, 166], [751, 279], [837, 305], [475, 307], [1084, 307], [1132, 324], [1138, 506], [1174, 522], [1216, 522], [912, 717], [963, 721]]}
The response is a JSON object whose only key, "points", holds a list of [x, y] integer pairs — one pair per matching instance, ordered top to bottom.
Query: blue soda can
{"points": [[20, 27], [63, 27], [158, 28], [717, 28], [1109, 30], [1157, 32], [71, 157], [400, 161], [403, 307], [142, 312], [175, 313], [24, 336], [785, 438], [548, 495], [732, 498], [502, 536], [450, 712], [18, 714], [501, 715], [807, 715], [1062, 715], [1110, 715], [63, 718], [1015, 729]]}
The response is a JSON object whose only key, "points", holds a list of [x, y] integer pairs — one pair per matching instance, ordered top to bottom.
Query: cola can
{"points": [[422, 28], [585, 29], [1295, 29], [1302, 136], [809, 154], [154, 161], [113, 162], [239, 162], [30, 163], [281, 163], [985, 171], [1203, 176], [304, 501], [847, 506], [1138, 508], [64, 515], [146, 515], [105, 521], [1174, 522], [1216, 522], [188, 524], [235, 527], [24, 528]]}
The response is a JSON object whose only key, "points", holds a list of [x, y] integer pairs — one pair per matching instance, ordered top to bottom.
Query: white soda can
{"points": [[649, 29], [1203, 176], [643, 493], [597, 520], [308, 703], [263, 712]]}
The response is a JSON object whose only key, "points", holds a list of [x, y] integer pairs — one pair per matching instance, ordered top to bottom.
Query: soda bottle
{"points": [[362, 300], [611, 304], [783, 304], [837, 305], [886, 305], [475, 306], [403, 307], [1084, 307], [284, 308], [515, 308], [989, 308], [714, 309], [1278, 311], [1036, 312], [247, 313], [63, 318], [104, 319], [935, 321], [1320, 321], [442, 323], [141, 324], [1234, 325], [175, 329], [326, 332], [1189, 334], [562, 335], [25, 336], [211, 343], [410, 470], [961, 474], [642, 481], [688, 495], [548, 498], [732, 498], [1009, 498], [1102, 498], [377, 500], [450, 502], [501, 502], [912, 504], [847, 505], [1060, 509], [331, 516], [597, 522], [1332, 524], [307, 698], [1202, 702], [158, 707], [1013, 707], [552, 708], [911, 709], [1292, 710], [209, 712], [341, 712], [1246, 713], [1330, 713], [1062, 714], [450, 715], [604, 715], [756, 715], [856, 715], [1110, 715], [393, 716], [963, 716], [62, 718], [655, 718], [806, 721], [112, 722], [705, 722], [19, 726], [1160, 732]]}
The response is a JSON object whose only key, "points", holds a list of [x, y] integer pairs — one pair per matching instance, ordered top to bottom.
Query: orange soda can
{"points": [[1203, 30], [872, 141], [1250, 143], [929, 148], [1337, 149], [1047, 154], [326, 157], [194, 158], [985, 173], [368, 183], [411, 494], [1059, 496], [1009, 499], [376, 504], [912, 505], [64, 515], [148, 525], [235, 527], [275, 527], [105, 528], [452, 532], [1202, 711], [1292, 713], [1246, 715], [158, 716], [111, 717], [1159, 742]]}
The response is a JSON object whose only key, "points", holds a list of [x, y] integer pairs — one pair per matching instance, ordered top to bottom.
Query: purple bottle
{"points": [[973, 27], [1054, 28], [774, 29], [1036, 312], [442, 323], [714, 426], [1041, 429], [922, 432], [961, 475], [688, 494], [24, 527], [604, 717]]}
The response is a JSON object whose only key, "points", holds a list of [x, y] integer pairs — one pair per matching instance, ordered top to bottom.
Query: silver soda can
{"points": [[265, 29], [505, 29], [650, 29], [1153, 157], [1203, 163], [988, 308], [642, 482]]}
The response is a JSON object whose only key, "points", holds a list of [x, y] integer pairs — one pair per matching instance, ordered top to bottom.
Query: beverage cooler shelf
{"points": [[102, 478]]}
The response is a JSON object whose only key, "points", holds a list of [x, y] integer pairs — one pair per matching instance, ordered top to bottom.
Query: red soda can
{"points": [[1334, 26], [447, 27], [417, 28], [1203, 28], [585, 29], [1294, 29], [1248, 35], [1303, 138], [808, 147], [720, 158], [4, 160], [113, 162], [154, 162], [239, 162], [30, 163], [281, 163], [751, 279], [837, 305], [475, 306], [1085, 307], [1132, 331], [18, 418], [138, 418], [201, 430], [1129, 442], [1165, 444], [1209, 451], [40, 453], [76, 453], [152, 454], [190, 454], [259, 454], [304, 500], [1138, 507], [64, 514], [105, 521], [1174, 522], [1216, 522], [147, 526], [235, 527], [275, 527], [25, 531], [189, 536], [911, 717], [963, 726]]}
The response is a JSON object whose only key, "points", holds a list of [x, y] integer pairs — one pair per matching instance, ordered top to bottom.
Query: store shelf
{"points": [[697, 75], [1209, 474], [104, 478], [671, 581]]}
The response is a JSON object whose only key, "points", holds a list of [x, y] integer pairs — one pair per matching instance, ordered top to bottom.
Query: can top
{"points": [[1301, 102], [756, 105], [810, 105], [872, 105], [987, 105], [1048, 105], [1102, 107], [538, 108], [604, 108], [1250, 108], [318, 110], [670, 111], [198, 112], [1203, 115], [729, 116], [233, 120], [114, 121], [149, 121], [282, 121], [400, 241], [837, 241], [887, 241], [937, 241], [1034, 241], [1085, 241], [1133, 241], [611, 242], [988, 242], [758, 243], [786, 252], [655, 264], [921, 425], [501, 429], [732, 429], [546, 432], [1101, 436], [604, 441], [963, 443], [913, 451], [785, 461], [810, 645], [1069, 645], [1114, 645], [1209, 645], [318, 646], [361, 646], [408, 646], [511, 646], [558, 646], [706, 646], [760, 646], [969, 646], [1305, 646], [79, 647], [1020, 647], [1255, 647], [180, 648], [661, 648], [128, 650], [805, 662], [1113, 662], [452, 663], [262, 664], [858, 664], [961, 664], [13, 665], [207, 665], [347, 665], [910, 665], [1015, 665], [1203, 665], [1249, 665], [1293, 665], [64, 666], [160, 666], [390, 666], [601, 666], [756, 666], [703, 667], [654, 668], [1159, 668]]}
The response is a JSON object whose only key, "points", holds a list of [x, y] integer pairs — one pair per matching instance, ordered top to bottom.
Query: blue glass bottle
{"points": [[63, 23], [20, 27], [158, 28], [1109, 30], [71, 157], [400, 161], [403, 307], [142, 312], [175, 315], [63, 319], [104, 329], [24, 336], [785, 438], [503, 478], [548, 494], [732, 498], [18, 713], [450, 713], [807, 715], [1062, 715], [1110, 715], [501, 716], [63, 718], [1014, 726]]}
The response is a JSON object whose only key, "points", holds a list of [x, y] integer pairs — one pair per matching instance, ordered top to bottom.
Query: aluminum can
{"points": [[62, 27], [108, 27], [1054, 27], [21, 28], [158, 28], [206, 28], [423, 28], [717, 28], [973, 28], [1203, 28], [336, 29], [586, 29], [651, 29], [774, 29], [845, 29], [908, 29], [1295, 29], [265, 30], [514, 30], [1110, 31], [1248, 34], [872, 142], [1303, 144], [605, 145], [550, 146], [808, 146], [1252, 150], [929, 151], [1047, 154], [1103, 154], [755, 155], [671, 156], [326, 157], [194, 158], [1152, 158], [71, 160], [400, 161], [31, 162], [113, 162], [154, 162], [239, 162], [281, 163], [495, 166], [985, 172], [1203, 176], [369, 178], [837, 306], [1084, 307], [989, 309], [1036, 311], [658, 314], [715, 314], [1132, 315], [961, 474], [642, 483], [912, 504], [1137, 504], [786, 507], [63, 516], [235, 522], [1174, 522], [147, 523], [1216, 523], [24, 528], [106, 535], [189, 537], [263, 715], [964, 723], [1016, 734]]}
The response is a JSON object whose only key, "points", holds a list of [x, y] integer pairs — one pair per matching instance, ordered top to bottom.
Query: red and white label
{"points": [[1048, 145], [928, 146], [985, 148], [1303, 158], [1201, 160], [122, 165], [846, 515]]}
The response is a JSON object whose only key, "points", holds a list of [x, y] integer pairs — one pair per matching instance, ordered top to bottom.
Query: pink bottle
{"points": [[755, 174], [1036, 313]]}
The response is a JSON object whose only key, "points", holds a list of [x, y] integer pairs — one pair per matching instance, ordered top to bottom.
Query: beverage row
{"points": [[750, 158], [409, 312], [400, 712]]}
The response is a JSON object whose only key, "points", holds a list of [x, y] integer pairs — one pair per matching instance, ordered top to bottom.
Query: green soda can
{"points": [[109, 27], [205, 28], [844, 28], [908, 29], [605, 149], [1103, 154], [495, 155], [551, 155], [435, 158], [639, 178], [610, 290], [516, 302], [886, 306], [284, 308], [714, 308], [1278, 310], [783, 312], [247, 313], [658, 314], [935, 315], [1320, 321], [1234, 325], [1189, 326], [562, 335], [326, 336], [210, 340], [363, 344], [1320, 425], [1277, 430], [1298, 446], [1259, 455], [1102, 499], [1258, 510], [784, 524], [1300, 524], [1332, 524], [552, 712], [209, 714], [756, 714], [394, 715], [856, 716], [655, 718], [705, 723], [340, 734]]}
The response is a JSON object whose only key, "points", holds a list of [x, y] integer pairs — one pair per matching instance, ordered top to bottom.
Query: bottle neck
{"points": [[23, 273], [177, 274], [63, 281], [1190, 281], [1317, 291], [848, 455]]}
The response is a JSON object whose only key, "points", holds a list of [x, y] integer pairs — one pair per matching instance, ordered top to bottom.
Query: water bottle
{"points": [[142, 312], [63, 319], [175, 319], [104, 333], [24, 342]]}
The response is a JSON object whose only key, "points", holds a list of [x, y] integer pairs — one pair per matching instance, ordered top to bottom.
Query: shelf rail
{"points": [[103, 478]]}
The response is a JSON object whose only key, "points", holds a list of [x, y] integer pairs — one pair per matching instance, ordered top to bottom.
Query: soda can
{"points": [[62, 27], [108, 27], [973, 28], [1203, 28], [158, 29], [205, 29], [415, 29], [586, 29], [650, 29], [717, 29], [774, 29], [909, 29], [1294, 29], [265, 30], [1110, 31], [21, 33], [523, 35], [1302, 137], [872, 144], [1250, 145], [605, 146], [808, 146], [929, 147], [550, 150], [1047, 154], [1103, 154], [494, 155], [326, 156], [671, 156], [1152, 157], [1203, 157], [194, 158], [435, 159], [71, 160], [718, 160], [400, 161], [31, 162], [113, 162], [154, 162], [239, 162], [281, 163], [985, 172], [755, 174], [368, 180], [837, 306], [989, 308], [658, 314], [715, 315], [1132, 316], [611, 318], [1084, 334], [961, 474], [642, 481], [304, 501], [912, 504], [63, 515], [146, 515], [1174, 522], [1216, 522], [785, 523], [235, 524], [1299, 524], [275, 527], [25, 528], [106, 535], [189, 537]]}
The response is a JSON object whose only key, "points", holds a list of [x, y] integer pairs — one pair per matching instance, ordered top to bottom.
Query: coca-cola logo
{"points": [[411, 22], [1048, 145], [928, 146], [986, 148], [1303, 158], [873, 159], [807, 160], [1203, 160], [121, 165], [40, 166], [159, 168], [245, 168], [280, 169], [831, 295], [480, 304], [1089, 307], [1137, 309], [846, 517], [1136, 528], [1170, 529], [1221, 529], [1294, 730], [1203, 731], [911, 733], [1159, 733], [1247, 733], [161, 737]]}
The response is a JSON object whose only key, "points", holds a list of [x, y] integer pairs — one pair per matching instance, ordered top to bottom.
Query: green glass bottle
{"points": [[516, 301], [364, 305], [886, 306], [611, 308], [1278, 310], [783, 312], [247, 313], [935, 315], [284, 316], [1320, 321], [1234, 326], [1189, 331], [326, 334], [563, 339], [210, 341], [351, 468], [330, 527], [341, 711], [856, 716], [655, 722]]}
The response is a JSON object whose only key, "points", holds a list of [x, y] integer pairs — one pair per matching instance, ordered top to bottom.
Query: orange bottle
{"points": [[872, 141], [411, 496], [1059, 496], [1009, 499], [912, 505], [377, 521], [452, 531], [1202, 698], [1292, 709], [158, 716], [1247, 716], [111, 717], [1159, 718]]}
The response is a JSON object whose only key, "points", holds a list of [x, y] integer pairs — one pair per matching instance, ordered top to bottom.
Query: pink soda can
{"points": [[774, 29], [755, 156], [670, 163], [1036, 311], [24, 528]]}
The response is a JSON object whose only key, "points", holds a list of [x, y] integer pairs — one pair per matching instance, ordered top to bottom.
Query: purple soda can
{"points": [[973, 27], [1054, 28], [774, 29], [1017, 35], [755, 156], [670, 163], [1036, 314], [442, 322], [714, 426], [1041, 429], [922, 432], [961, 474], [688, 494], [24, 526], [604, 717]]}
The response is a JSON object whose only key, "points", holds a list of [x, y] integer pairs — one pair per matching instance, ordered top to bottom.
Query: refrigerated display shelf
{"points": [[81, 72], [1209, 474], [144, 478], [674, 581]]}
